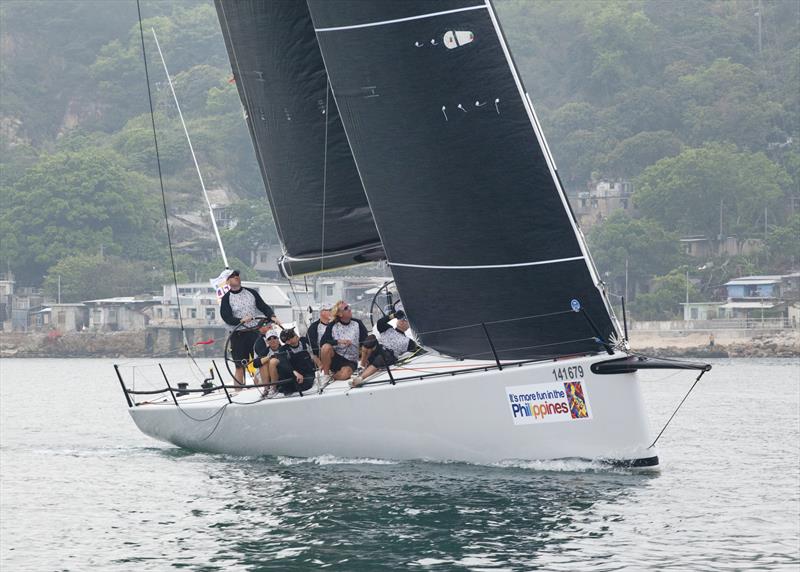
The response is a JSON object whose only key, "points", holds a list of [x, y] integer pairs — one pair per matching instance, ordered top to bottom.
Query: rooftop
{"points": [[755, 280]]}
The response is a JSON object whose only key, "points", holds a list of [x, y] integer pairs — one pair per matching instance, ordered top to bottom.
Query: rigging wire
{"points": [[191, 149], [160, 176], [161, 183], [664, 428]]}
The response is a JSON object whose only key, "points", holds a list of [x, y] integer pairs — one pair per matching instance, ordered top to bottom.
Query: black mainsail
{"points": [[463, 190], [317, 200]]}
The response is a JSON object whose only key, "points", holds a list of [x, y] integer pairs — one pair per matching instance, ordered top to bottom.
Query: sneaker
{"points": [[325, 379], [357, 381]]}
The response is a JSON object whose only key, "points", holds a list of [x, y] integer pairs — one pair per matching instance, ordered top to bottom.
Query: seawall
{"points": [[152, 342], [155, 342]]}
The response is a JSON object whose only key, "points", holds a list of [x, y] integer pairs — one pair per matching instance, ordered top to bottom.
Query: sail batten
{"points": [[396, 20], [460, 180], [316, 197], [487, 266]]}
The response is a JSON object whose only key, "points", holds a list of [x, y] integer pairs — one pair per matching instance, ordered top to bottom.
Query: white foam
{"points": [[333, 460], [557, 465]]}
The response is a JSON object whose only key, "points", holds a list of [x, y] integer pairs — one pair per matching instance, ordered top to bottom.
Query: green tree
{"points": [[725, 102], [634, 154], [685, 193], [78, 202], [254, 227], [643, 244], [783, 244], [91, 276], [663, 302]]}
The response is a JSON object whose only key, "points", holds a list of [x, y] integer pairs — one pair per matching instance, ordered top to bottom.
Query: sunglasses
{"points": [[345, 308]]}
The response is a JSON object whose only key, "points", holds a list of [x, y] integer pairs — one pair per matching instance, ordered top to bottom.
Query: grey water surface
{"points": [[82, 489]]}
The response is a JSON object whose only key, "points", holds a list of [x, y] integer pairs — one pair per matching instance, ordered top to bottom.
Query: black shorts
{"points": [[242, 346], [381, 357], [338, 362], [289, 387]]}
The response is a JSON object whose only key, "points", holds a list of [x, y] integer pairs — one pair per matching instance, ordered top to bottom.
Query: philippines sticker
{"points": [[548, 402]]}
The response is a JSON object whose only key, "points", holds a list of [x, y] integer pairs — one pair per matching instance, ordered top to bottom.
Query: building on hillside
{"points": [[221, 201], [594, 206], [703, 247], [265, 259], [7, 284], [782, 287], [357, 290], [757, 297], [751, 299], [199, 305], [21, 306], [701, 310], [120, 314], [69, 317]]}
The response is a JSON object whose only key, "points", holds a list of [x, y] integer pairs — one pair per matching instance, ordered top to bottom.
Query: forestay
{"points": [[461, 185], [316, 197]]}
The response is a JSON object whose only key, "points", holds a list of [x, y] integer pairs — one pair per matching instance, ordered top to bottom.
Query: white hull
{"points": [[464, 417]]}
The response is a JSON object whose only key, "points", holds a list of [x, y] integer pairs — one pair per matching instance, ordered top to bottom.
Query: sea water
{"points": [[81, 489]]}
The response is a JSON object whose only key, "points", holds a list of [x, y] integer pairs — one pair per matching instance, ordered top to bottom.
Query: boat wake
{"points": [[333, 460], [558, 465]]}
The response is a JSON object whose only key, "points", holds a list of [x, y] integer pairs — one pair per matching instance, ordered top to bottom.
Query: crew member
{"points": [[238, 307], [316, 330], [392, 342], [341, 349], [267, 357], [298, 357]]}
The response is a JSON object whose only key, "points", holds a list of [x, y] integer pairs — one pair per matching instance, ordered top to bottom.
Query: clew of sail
{"points": [[317, 200], [474, 222]]}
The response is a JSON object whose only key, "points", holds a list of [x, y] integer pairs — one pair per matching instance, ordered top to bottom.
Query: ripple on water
{"points": [[96, 494]]}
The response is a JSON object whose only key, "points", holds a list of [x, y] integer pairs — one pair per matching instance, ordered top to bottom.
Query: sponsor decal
{"points": [[220, 283], [549, 402]]}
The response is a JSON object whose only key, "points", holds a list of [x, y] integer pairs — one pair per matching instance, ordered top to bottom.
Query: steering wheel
{"points": [[377, 308], [241, 328]]}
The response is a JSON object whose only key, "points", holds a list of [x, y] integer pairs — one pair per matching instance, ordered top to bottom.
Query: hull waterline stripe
{"points": [[384, 22], [487, 266]]}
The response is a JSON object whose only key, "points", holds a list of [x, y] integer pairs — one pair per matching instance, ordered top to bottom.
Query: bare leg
{"points": [[326, 356], [273, 370], [345, 373], [238, 374], [263, 374]]}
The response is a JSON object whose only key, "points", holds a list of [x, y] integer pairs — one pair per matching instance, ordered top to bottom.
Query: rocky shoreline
{"points": [[775, 344], [784, 344], [99, 345]]}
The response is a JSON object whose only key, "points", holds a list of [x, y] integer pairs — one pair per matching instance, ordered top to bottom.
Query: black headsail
{"points": [[464, 192], [317, 200]]}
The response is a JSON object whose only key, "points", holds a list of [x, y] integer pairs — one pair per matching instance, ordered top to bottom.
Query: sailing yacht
{"points": [[402, 131]]}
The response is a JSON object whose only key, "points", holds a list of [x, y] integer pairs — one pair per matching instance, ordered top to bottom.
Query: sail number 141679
{"points": [[565, 373]]}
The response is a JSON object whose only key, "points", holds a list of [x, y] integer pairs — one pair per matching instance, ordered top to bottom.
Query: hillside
{"points": [[696, 103]]}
